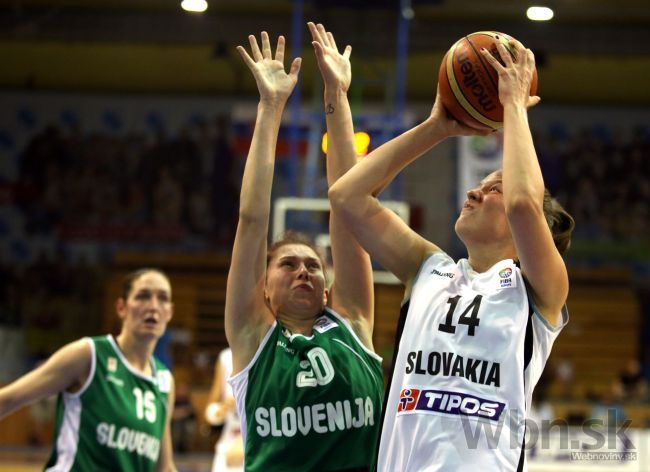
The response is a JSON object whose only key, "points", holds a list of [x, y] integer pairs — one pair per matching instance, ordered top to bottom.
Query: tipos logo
{"points": [[414, 400]]}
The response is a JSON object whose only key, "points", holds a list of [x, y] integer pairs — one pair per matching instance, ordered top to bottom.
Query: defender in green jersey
{"points": [[308, 385], [311, 395], [115, 398], [117, 419]]}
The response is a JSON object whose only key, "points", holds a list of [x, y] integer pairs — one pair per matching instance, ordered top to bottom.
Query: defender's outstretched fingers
{"points": [[312, 30], [315, 34], [323, 35], [330, 37], [266, 46], [255, 49], [279, 49], [318, 50], [347, 52], [247, 59], [295, 67]]}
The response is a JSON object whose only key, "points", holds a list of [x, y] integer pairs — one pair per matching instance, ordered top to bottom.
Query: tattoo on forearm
{"points": [[329, 109]]}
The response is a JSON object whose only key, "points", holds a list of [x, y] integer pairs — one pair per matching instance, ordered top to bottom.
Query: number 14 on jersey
{"points": [[468, 317]]}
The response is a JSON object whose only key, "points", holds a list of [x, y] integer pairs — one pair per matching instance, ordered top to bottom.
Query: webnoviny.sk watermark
{"points": [[595, 439], [603, 456]]}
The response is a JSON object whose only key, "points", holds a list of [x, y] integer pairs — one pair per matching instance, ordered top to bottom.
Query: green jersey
{"points": [[310, 402], [116, 421]]}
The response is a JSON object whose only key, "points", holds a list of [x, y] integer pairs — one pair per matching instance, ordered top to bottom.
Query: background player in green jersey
{"points": [[300, 350], [115, 398]]}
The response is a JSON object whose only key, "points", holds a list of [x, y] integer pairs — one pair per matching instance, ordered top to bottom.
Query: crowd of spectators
{"points": [[603, 179], [107, 186], [127, 187], [78, 196], [55, 299]]}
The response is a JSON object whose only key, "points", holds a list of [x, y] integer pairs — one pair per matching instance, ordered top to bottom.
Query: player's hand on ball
{"points": [[515, 74], [447, 126]]}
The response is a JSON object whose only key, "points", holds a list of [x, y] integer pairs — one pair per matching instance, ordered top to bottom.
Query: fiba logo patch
{"points": [[506, 280], [323, 324], [112, 364], [164, 381]]}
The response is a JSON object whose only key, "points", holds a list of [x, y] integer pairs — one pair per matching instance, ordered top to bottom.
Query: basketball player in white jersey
{"points": [[474, 335], [221, 410]]}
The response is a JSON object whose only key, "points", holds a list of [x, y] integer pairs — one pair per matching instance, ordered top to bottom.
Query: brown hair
{"points": [[559, 221], [294, 237], [130, 278]]}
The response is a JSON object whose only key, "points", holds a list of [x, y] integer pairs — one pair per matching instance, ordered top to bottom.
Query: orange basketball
{"points": [[469, 84]]}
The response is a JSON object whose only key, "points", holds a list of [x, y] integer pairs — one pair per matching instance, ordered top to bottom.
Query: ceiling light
{"points": [[196, 6], [539, 13]]}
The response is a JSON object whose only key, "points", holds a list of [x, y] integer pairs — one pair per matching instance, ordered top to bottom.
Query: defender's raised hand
{"points": [[334, 66], [273, 82]]}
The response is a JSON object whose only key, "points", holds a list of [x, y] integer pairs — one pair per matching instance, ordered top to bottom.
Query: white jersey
{"points": [[471, 350], [231, 431]]}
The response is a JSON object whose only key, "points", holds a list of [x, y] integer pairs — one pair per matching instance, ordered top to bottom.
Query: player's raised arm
{"points": [[523, 185], [399, 249], [352, 292], [247, 316], [68, 368]]}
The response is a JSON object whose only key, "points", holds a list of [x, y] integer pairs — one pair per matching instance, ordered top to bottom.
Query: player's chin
{"points": [[461, 222], [307, 304], [154, 331]]}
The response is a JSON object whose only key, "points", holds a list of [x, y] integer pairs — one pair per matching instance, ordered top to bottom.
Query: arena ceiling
{"points": [[594, 51]]}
